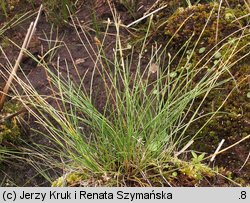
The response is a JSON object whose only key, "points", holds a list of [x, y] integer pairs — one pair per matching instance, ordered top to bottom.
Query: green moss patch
{"points": [[189, 23], [9, 128], [175, 169]]}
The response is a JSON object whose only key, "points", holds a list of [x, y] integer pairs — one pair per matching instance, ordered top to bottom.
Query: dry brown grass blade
{"points": [[146, 16], [25, 45], [9, 117], [229, 147], [184, 148], [217, 150]]}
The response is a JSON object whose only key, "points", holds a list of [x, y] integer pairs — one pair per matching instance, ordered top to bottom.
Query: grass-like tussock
{"points": [[143, 126]]}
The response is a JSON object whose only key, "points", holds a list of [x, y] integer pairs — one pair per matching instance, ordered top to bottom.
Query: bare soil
{"points": [[14, 172]]}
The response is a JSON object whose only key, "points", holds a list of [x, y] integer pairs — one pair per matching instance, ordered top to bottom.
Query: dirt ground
{"points": [[14, 172]]}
